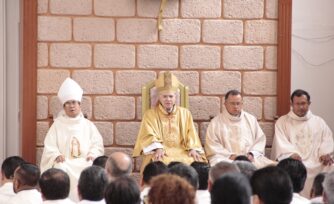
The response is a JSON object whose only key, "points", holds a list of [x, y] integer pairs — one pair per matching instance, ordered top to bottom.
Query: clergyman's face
{"points": [[167, 100], [233, 104], [300, 105], [72, 108]]}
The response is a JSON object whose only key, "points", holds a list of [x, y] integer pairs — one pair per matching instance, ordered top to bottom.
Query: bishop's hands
{"points": [[159, 154], [60, 158], [326, 160]]}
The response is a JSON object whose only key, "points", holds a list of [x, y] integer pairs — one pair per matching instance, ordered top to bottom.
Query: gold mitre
{"points": [[166, 82]]}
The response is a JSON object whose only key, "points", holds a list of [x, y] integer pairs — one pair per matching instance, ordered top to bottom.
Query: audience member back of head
{"points": [[100, 161], [118, 164], [153, 169], [202, 170], [186, 172], [54, 184], [271, 185], [231, 188], [123, 190]]}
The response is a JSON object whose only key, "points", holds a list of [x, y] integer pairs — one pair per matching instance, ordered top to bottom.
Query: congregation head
{"points": [[100, 161], [118, 164], [9, 165], [246, 168], [153, 169], [202, 170], [186, 172], [297, 172], [26, 176], [92, 183], [54, 184], [328, 184], [271, 185], [231, 188], [171, 189], [122, 190]]}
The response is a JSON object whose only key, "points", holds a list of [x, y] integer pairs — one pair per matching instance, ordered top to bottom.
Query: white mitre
{"points": [[70, 90]]}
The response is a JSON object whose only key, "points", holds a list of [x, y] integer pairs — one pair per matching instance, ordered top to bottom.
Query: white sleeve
{"points": [[151, 147]]}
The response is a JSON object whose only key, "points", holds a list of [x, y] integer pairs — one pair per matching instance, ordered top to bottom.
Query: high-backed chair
{"points": [[150, 97]]}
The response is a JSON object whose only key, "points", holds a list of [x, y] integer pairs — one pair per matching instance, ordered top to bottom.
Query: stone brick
{"points": [[42, 6], [72, 7], [114, 7], [149, 8], [200, 8], [271, 8], [243, 9], [54, 28], [93, 29], [142, 30], [181, 31], [223, 31], [261, 31], [42, 55], [70, 55], [114, 56], [158, 56], [200, 57], [243, 57], [271, 57], [137, 79], [190, 79], [49, 81], [95, 81], [219, 82], [259, 83], [253, 105], [55, 106], [87, 106], [42, 107], [204, 107], [119, 108], [270, 108], [138, 111], [268, 129], [41, 131], [107, 131], [126, 133], [202, 133], [110, 150], [39, 151], [138, 162]]}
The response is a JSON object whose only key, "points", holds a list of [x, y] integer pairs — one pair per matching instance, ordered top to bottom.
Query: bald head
{"points": [[118, 164]]}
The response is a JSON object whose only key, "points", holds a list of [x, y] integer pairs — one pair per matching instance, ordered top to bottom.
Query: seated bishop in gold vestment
{"points": [[167, 132]]}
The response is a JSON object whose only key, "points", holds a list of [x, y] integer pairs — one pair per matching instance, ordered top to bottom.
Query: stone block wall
{"points": [[113, 47]]}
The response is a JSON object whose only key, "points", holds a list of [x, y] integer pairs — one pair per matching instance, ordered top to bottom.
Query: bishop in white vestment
{"points": [[304, 136], [72, 142]]}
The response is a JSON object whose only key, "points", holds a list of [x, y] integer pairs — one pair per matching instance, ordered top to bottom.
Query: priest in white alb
{"points": [[235, 132], [304, 136], [72, 141]]}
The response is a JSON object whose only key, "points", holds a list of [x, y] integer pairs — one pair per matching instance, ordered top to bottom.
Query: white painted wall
{"points": [[313, 54], [9, 76]]}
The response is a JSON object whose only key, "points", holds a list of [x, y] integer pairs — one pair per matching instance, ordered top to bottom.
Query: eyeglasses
{"points": [[70, 103]]}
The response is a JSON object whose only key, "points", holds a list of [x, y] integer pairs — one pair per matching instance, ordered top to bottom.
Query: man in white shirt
{"points": [[235, 132], [304, 136], [72, 142], [7, 174], [92, 184], [25, 185], [55, 187]]}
